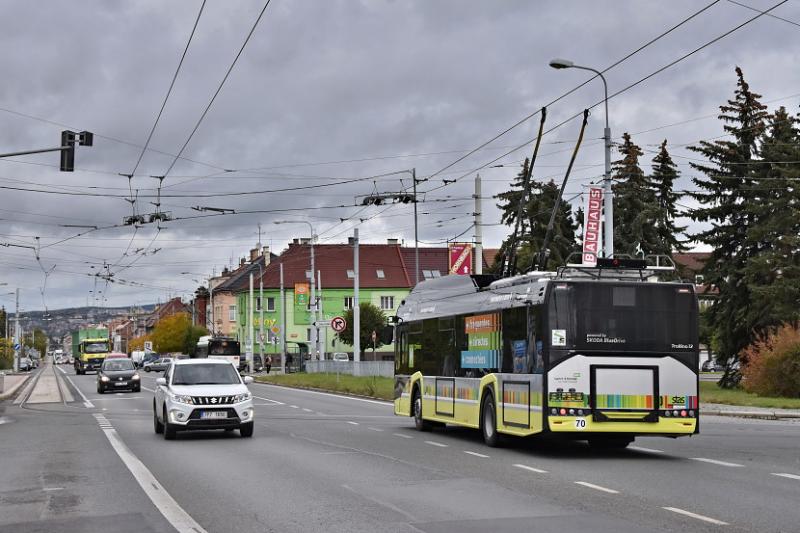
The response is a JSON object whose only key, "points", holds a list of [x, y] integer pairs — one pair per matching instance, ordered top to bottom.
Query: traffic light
{"points": [[68, 150]]}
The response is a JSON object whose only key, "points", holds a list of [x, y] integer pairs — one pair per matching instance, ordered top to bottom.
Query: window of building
{"points": [[436, 273], [308, 274], [351, 274], [380, 274], [698, 279], [387, 302], [258, 303], [348, 303], [270, 304], [218, 312], [232, 313], [308, 334]]}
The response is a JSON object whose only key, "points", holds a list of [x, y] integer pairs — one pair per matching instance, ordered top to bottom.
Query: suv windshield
{"points": [[118, 364], [205, 374]]}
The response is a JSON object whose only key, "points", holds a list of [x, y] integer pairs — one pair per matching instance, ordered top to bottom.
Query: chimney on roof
{"points": [[304, 240], [295, 241], [351, 241], [392, 242], [253, 254], [266, 254], [242, 261], [225, 271]]}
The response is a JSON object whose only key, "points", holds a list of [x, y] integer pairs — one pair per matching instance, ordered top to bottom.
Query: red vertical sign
{"points": [[592, 227], [460, 258]]}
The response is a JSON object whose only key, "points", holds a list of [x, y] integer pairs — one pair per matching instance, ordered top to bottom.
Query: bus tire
{"points": [[416, 405], [489, 421], [610, 443]]}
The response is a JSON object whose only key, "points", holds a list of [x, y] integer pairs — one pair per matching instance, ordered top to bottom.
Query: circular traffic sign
{"points": [[338, 324]]}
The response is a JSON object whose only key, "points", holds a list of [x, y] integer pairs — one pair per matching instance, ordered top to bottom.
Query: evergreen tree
{"points": [[665, 172], [727, 195], [635, 207], [533, 226], [773, 273]]}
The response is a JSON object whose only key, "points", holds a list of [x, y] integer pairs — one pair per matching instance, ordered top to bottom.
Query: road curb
{"points": [[13, 390], [328, 391], [764, 415]]}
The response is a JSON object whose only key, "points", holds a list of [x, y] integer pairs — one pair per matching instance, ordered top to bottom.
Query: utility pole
{"points": [[478, 228], [416, 233], [261, 302], [356, 307], [283, 323], [250, 330], [16, 333], [324, 336], [314, 339]]}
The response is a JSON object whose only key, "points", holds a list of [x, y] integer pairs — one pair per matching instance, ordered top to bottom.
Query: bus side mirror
{"points": [[387, 334]]}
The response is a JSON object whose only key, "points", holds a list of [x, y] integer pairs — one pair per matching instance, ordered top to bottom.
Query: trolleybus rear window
{"points": [[623, 318]]}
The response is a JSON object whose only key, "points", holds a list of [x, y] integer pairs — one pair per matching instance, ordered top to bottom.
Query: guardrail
{"points": [[361, 368]]}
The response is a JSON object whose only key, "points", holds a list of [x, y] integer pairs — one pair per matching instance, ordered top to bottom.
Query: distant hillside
{"points": [[59, 322]]}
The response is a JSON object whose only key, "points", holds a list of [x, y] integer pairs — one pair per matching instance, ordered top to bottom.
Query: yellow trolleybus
{"points": [[603, 354]]}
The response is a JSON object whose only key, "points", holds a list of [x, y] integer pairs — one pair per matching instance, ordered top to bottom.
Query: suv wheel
{"points": [[157, 425], [169, 430], [246, 430]]}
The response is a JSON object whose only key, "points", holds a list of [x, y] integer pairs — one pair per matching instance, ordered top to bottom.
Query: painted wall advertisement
{"points": [[592, 227], [460, 258], [301, 300], [483, 341]]}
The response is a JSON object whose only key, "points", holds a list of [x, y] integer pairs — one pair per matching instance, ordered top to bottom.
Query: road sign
{"points": [[322, 323], [339, 324], [17, 346], [148, 346]]}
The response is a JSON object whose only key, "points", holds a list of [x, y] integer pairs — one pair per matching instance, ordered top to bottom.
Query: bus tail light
{"points": [[562, 412]]}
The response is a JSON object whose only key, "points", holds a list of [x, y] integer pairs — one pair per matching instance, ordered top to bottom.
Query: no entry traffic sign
{"points": [[339, 324]]}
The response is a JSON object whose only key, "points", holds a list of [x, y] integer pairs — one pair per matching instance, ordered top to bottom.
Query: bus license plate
{"points": [[213, 414]]}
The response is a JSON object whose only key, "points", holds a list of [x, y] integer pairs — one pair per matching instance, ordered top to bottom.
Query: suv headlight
{"points": [[135, 376], [103, 378], [242, 397], [180, 398]]}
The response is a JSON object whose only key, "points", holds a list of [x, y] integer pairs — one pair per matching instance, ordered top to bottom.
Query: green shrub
{"points": [[771, 365]]}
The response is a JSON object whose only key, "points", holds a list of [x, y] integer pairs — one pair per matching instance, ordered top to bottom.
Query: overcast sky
{"points": [[328, 91]]}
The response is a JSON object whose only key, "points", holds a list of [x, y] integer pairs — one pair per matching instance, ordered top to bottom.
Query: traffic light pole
{"points": [[67, 148]]}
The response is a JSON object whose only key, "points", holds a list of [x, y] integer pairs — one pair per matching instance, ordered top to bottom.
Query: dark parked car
{"points": [[159, 365], [258, 365], [118, 374]]}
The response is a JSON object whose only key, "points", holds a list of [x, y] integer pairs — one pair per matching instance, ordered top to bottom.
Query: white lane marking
{"points": [[63, 372], [148, 389], [329, 394], [268, 400], [86, 402], [294, 407], [307, 410], [352, 423], [374, 429], [402, 436], [434, 443], [642, 449], [476, 454], [715, 462], [531, 469], [790, 476], [596, 487], [50, 489], [163, 501], [697, 516]]}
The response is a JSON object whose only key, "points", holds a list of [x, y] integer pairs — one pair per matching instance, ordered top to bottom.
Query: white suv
{"points": [[202, 394]]}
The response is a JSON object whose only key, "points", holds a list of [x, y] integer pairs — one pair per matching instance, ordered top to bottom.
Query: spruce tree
{"points": [[665, 172], [726, 195], [635, 208], [533, 226], [773, 273]]}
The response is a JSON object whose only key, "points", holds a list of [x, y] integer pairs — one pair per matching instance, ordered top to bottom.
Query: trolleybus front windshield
{"points": [[606, 317]]}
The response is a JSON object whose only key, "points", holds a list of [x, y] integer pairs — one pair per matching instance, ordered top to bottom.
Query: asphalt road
{"points": [[320, 462]]}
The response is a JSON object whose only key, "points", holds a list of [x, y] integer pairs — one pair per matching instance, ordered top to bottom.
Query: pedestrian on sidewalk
{"points": [[268, 363]]}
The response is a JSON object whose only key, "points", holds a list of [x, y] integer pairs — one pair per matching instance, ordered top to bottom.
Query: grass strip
{"points": [[372, 386], [711, 393]]}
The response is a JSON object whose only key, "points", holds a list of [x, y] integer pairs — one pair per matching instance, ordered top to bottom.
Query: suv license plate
{"points": [[121, 384], [213, 414]]}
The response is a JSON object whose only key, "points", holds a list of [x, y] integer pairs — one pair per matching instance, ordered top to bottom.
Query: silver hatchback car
{"points": [[199, 394]]}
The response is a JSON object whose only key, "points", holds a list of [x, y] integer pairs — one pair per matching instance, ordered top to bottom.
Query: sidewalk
{"points": [[12, 383], [745, 411]]}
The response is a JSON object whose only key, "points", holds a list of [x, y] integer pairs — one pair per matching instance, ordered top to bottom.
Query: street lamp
{"points": [[608, 199], [210, 297], [314, 330]]}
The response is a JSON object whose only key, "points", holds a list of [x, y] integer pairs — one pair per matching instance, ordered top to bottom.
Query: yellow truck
{"points": [[90, 347]]}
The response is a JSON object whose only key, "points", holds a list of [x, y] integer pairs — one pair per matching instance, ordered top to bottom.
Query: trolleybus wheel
{"points": [[489, 422], [420, 423]]}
